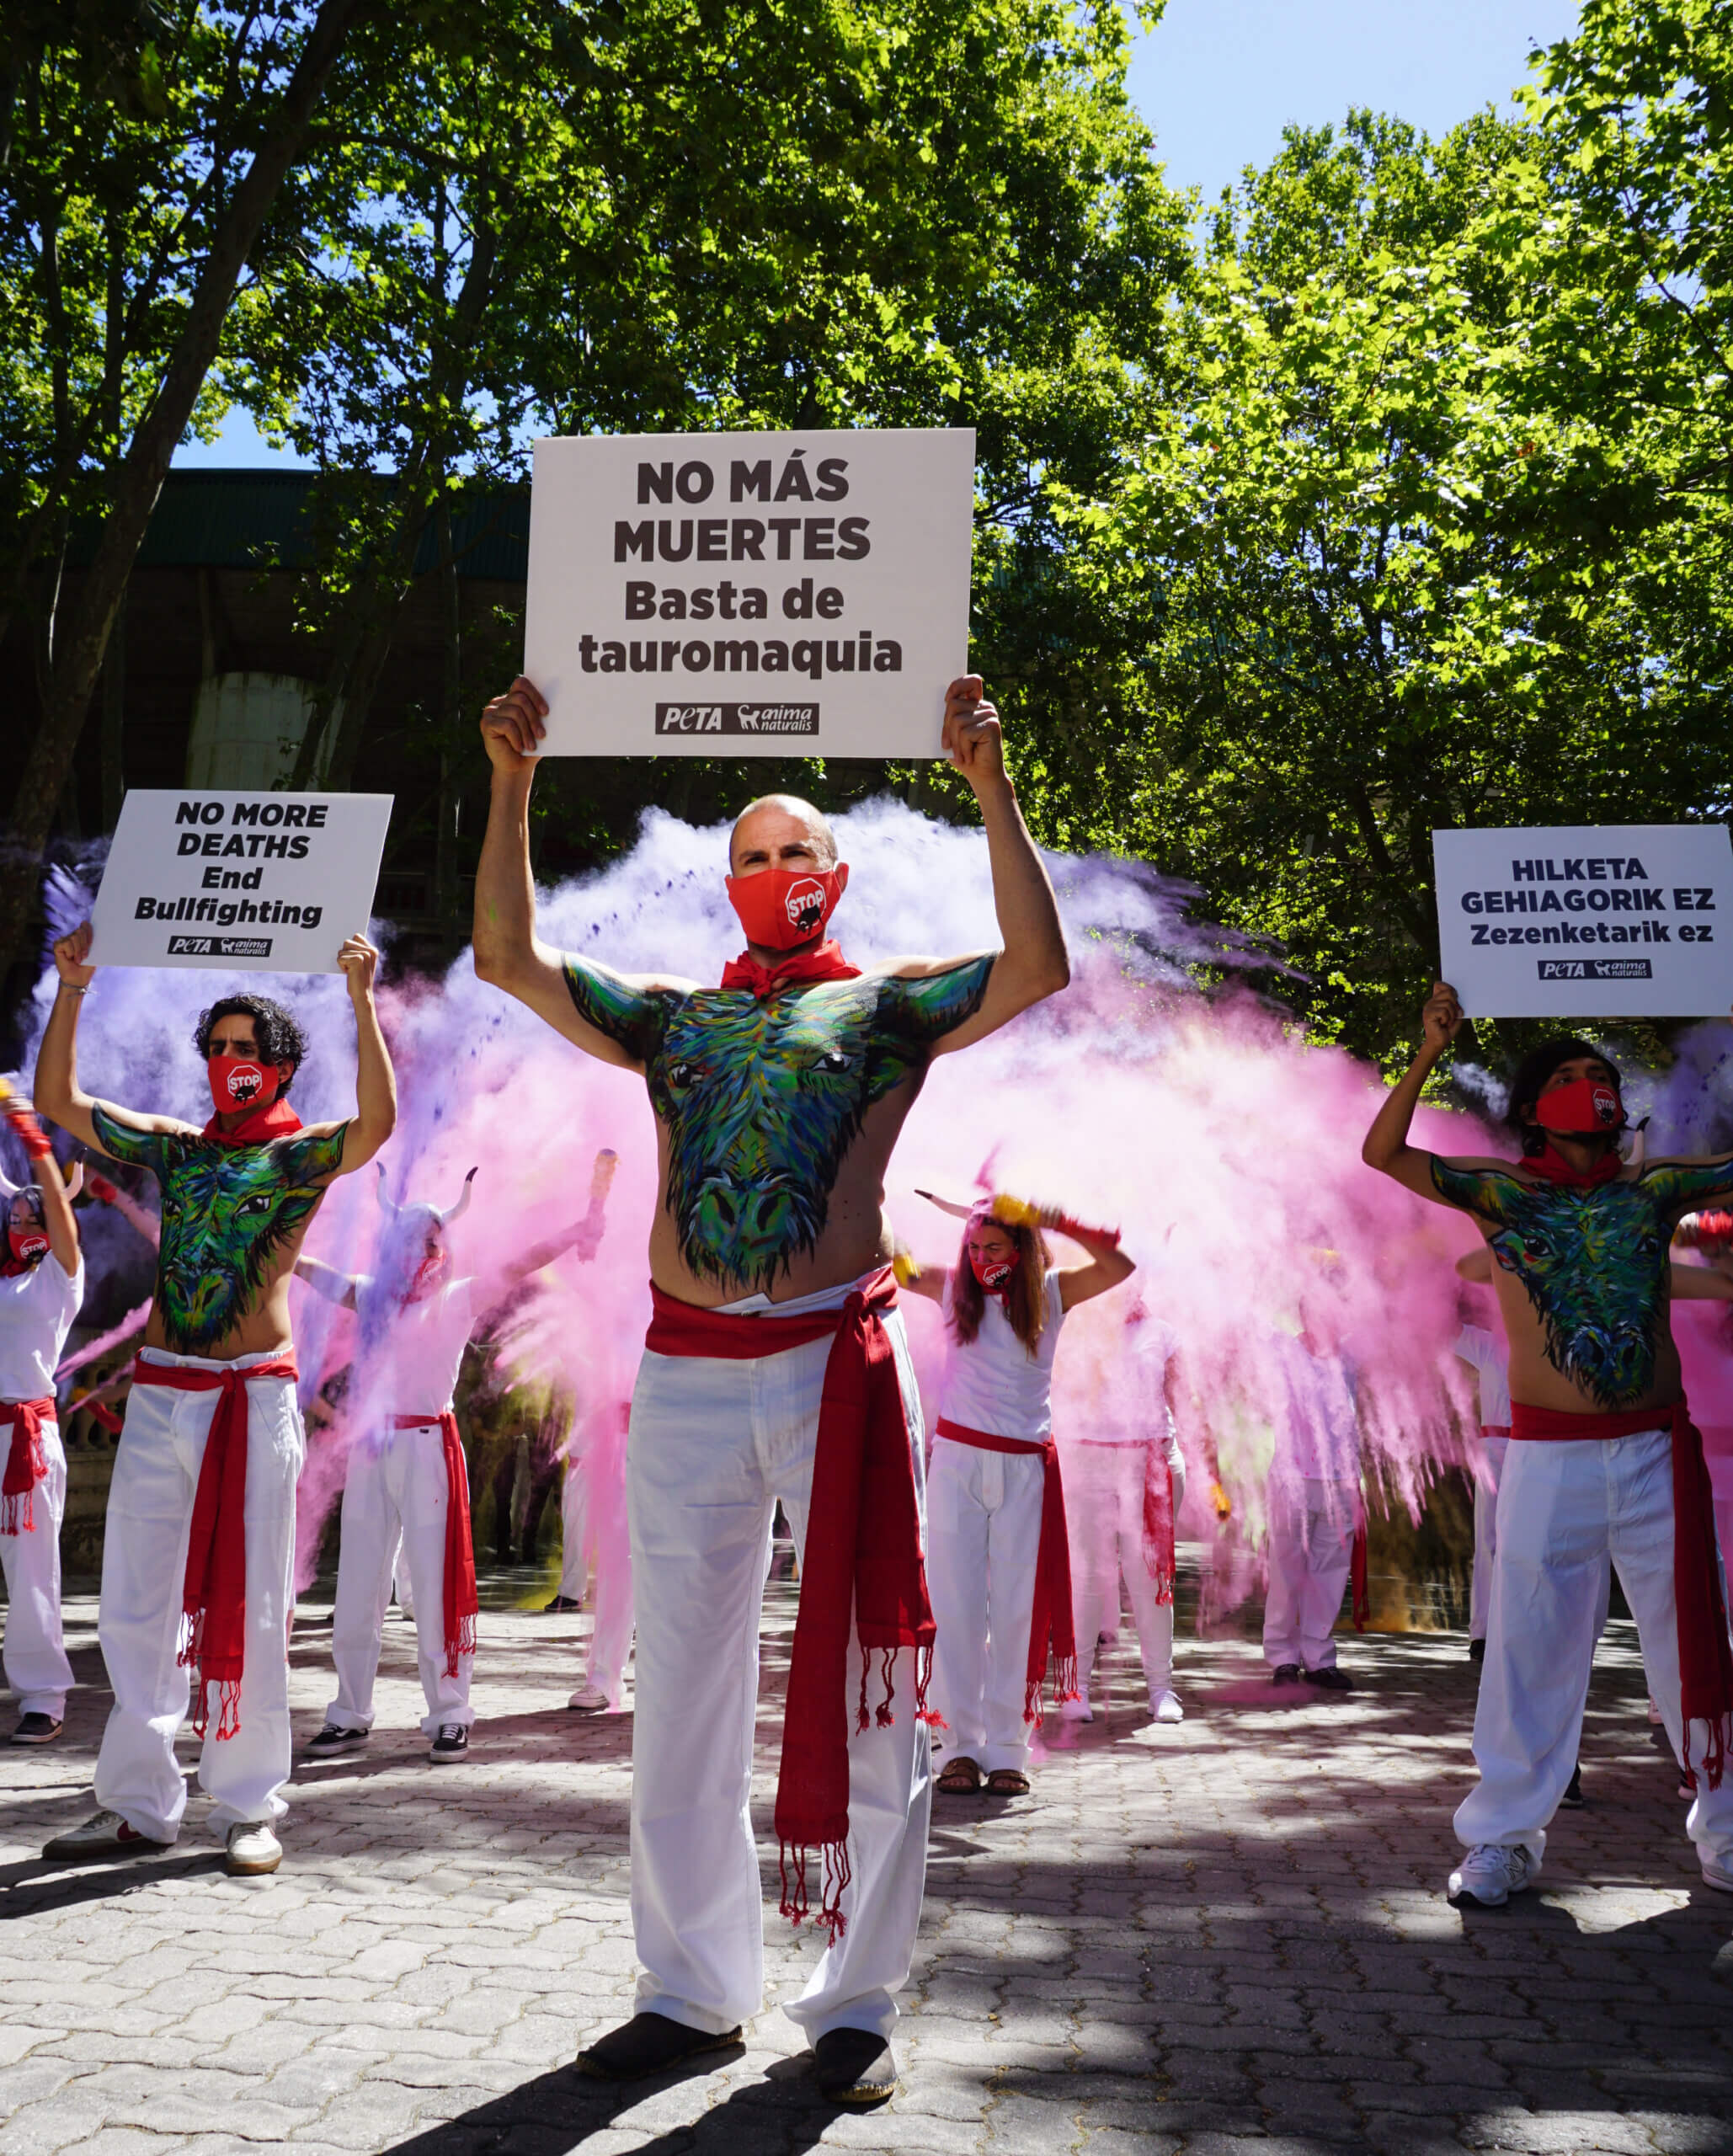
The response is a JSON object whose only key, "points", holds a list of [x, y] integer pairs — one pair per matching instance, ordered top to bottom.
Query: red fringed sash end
{"points": [[26, 1461], [10, 1523], [1356, 1576], [464, 1644], [834, 1872]]}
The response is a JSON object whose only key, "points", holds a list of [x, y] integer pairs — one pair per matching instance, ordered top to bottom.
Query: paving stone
{"points": [[1231, 1942]]}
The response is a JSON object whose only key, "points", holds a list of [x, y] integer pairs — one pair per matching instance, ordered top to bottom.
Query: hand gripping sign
{"points": [[765, 595], [251, 882], [1619, 921]]}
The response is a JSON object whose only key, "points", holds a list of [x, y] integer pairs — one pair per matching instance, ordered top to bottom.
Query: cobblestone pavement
{"points": [[1227, 1936]]}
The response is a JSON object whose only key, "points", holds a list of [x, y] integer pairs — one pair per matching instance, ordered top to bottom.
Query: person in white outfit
{"points": [[41, 1286], [775, 1366], [1604, 1466], [1125, 1482], [406, 1493], [1314, 1507], [592, 1512], [199, 1548], [998, 1557]]}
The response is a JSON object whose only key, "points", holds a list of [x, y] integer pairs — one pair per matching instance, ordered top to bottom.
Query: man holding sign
{"points": [[775, 1365], [1603, 1464], [198, 1558]]}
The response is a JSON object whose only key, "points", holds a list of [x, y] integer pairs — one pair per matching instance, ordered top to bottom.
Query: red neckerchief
{"points": [[827, 962], [275, 1119], [1552, 1167], [11, 1267], [863, 1564]]}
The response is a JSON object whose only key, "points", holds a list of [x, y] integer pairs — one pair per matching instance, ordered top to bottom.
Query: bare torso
{"points": [[776, 1119], [233, 1221], [1582, 1276]]}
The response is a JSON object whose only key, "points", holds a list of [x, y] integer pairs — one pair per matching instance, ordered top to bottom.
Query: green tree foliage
{"points": [[1380, 606]]}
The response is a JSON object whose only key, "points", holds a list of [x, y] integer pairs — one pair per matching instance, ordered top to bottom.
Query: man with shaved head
{"points": [[775, 1367]]}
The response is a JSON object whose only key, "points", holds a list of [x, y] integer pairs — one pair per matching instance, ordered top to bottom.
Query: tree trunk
{"points": [[79, 647]]}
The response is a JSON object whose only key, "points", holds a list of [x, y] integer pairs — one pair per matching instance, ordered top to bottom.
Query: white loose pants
{"points": [[713, 1444], [396, 1498], [984, 1510], [1104, 1513], [1566, 1513], [593, 1522], [1486, 1534], [1311, 1548], [138, 1623], [36, 1665]]}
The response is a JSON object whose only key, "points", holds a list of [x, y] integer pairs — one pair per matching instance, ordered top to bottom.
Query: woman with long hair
{"points": [[996, 1555]]}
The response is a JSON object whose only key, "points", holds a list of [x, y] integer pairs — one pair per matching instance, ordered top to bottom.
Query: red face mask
{"points": [[782, 907], [242, 1083], [1585, 1109], [26, 1245], [994, 1273], [428, 1275]]}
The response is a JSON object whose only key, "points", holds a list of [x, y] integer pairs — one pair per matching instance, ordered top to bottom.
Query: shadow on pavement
{"points": [[779, 2114]]}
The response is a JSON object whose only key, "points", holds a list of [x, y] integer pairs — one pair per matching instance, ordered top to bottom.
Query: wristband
{"points": [[72, 988]]}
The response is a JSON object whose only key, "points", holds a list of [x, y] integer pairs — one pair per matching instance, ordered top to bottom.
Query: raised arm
{"points": [[1033, 963], [581, 1000], [58, 1094], [375, 1115], [1386, 1147], [58, 1222], [1108, 1266], [339, 1287]]}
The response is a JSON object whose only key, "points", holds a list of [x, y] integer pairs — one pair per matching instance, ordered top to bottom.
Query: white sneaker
{"points": [[587, 1700], [1165, 1706], [1075, 1710], [98, 1840], [252, 1850], [1491, 1873], [1718, 1875]]}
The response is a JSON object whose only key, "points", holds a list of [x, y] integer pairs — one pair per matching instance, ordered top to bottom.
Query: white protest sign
{"points": [[758, 595], [253, 882], [1621, 921]]}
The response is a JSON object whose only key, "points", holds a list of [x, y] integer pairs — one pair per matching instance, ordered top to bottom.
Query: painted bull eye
{"points": [[831, 1062], [681, 1075], [250, 1208]]}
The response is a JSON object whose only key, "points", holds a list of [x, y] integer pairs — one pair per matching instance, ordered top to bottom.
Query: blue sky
{"points": [[1217, 80]]}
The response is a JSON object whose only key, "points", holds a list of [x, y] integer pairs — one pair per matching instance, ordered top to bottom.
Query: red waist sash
{"points": [[1494, 1429], [26, 1463], [863, 1555], [213, 1601], [461, 1606], [1050, 1630], [1705, 1663]]}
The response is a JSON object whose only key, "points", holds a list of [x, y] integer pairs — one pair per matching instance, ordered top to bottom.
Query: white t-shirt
{"points": [[36, 1312], [1486, 1354], [413, 1369], [994, 1384], [1118, 1389], [1318, 1438]]}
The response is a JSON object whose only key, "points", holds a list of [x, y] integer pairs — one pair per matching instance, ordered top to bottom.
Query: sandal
{"points": [[962, 1777], [1007, 1781]]}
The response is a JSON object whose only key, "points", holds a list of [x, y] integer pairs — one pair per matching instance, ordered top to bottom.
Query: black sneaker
{"points": [[562, 1605], [1477, 1649], [1287, 1673], [1331, 1679], [36, 1729], [331, 1741], [451, 1743], [1573, 1799], [648, 2044]]}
